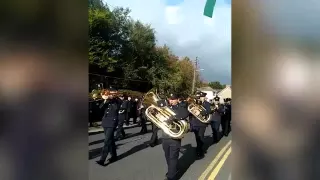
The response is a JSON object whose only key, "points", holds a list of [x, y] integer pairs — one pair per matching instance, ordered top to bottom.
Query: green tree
{"points": [[97, 4], [124, 48], [187, 68], [216, 85]]}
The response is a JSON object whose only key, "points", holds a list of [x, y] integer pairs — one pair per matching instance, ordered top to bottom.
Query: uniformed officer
{"points": [[216, 99], [133, 111], [95, 113], [129, 113], [122, 117], [228, 117], [217, 118], [143, 119], [109, 122], [224, 122], [199, 127], [171, 147]]}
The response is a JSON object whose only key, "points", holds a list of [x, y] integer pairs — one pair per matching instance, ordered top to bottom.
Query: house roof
{"points": [[227, 86], [205, 89], [209, 89]]}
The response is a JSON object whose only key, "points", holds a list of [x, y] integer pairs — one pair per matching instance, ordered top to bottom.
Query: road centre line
{"points": [[214, 162], [216, 170]]}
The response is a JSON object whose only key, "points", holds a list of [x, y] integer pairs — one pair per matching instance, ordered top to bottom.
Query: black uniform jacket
{"points": [[183, 104], [129, 106], [111, 109], [123, 110], [95, 113], [181, 114]]}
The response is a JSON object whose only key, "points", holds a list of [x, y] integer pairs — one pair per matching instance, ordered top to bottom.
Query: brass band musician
{"points": [[110, 107], [217, 114], [199, 127], [171, 147]]}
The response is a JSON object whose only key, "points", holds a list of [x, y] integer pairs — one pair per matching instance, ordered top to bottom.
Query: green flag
{"points": [[208, 9]]}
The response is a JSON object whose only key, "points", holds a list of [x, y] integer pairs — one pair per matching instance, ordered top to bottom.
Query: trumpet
{"points": [[106, 93], [215, 108]]}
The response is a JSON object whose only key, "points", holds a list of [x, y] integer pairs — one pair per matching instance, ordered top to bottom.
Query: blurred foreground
{"points": [[276, 90]]}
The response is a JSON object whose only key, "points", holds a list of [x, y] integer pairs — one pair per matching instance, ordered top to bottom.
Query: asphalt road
{"points": [[137, 161]]}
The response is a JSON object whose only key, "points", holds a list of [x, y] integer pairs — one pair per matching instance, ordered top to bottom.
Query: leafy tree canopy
{"points": [[125, 48]]}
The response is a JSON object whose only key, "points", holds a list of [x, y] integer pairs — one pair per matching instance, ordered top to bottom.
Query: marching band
{"points": [[174, 115]]}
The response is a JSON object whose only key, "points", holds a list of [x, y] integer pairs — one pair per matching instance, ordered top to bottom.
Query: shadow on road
{"points": [[137, 149], [96, 152], [189, 156], [186, 160]]}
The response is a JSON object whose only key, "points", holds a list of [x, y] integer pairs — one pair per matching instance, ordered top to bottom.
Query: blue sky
{"points": [[173, 2], [181, 25]]}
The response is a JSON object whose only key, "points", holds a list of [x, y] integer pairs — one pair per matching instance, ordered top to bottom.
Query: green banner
{"points": [[208, 9]]}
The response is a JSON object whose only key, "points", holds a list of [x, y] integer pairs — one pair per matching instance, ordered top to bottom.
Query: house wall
{"points": [[225, 93], [209, 94]]}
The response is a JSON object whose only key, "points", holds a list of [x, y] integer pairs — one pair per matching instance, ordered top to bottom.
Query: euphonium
{"points": [[195, 109], [159, 115]]}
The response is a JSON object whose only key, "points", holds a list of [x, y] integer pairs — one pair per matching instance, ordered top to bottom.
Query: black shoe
{"points": [[120, 137], [215, 140], [152, 144], [182, 150], [200, 155], [113, 159], [101, 163]]}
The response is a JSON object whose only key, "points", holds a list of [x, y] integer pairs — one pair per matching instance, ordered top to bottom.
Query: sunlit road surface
{"points": [[137, 161], [220, 166]]}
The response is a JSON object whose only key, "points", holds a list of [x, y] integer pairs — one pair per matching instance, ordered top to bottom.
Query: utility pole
{"points": [[194, 75]]}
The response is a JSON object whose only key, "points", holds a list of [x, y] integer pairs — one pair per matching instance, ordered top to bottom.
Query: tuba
{"points": [[195, 110], [159, 115]]}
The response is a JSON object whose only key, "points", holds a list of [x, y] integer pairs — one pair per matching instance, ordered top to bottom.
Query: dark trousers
{"points": [[133, 115], [127, 119], [228, 123], [225, 124], [143, 125], [215, 127], [120, 129], [199, 134], [154, 137], [109, 144], [171, 148]]}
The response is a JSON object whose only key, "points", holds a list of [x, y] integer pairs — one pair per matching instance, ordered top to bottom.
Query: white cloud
{"points": [[173, 15], [188, 32]]}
